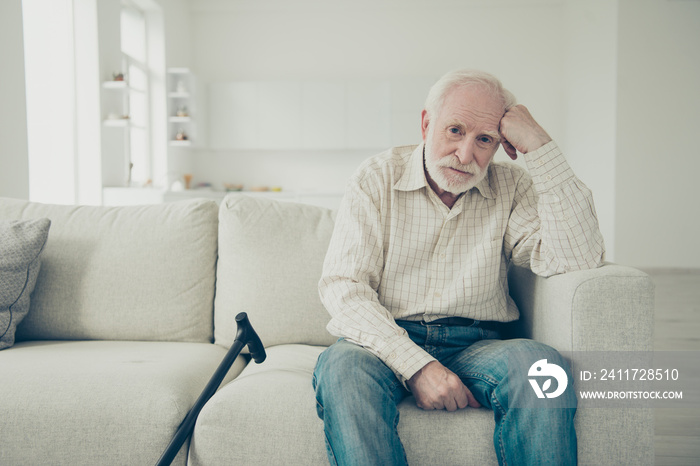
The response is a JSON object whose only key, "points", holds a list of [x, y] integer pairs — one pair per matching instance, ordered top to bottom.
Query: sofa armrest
{"points": [[610, 308]]}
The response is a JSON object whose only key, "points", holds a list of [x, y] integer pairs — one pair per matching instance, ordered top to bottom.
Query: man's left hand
{"points": [[520, 132]]}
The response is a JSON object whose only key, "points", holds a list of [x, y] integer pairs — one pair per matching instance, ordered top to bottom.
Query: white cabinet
{"points": [[181, 88], [279, 112], [233, 115], [292, 115], [323, 115]]}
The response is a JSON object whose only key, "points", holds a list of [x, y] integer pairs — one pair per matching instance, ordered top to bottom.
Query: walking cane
{"points": [[244, 336]]}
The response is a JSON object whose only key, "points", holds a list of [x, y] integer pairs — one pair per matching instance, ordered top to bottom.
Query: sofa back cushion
{"points": [[270, 260], [123, 273]]}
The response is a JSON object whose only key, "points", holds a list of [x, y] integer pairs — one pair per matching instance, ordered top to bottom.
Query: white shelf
{"points": [[178, 70], [115, 85], [181, 92], [117, 123], [180, 143]]}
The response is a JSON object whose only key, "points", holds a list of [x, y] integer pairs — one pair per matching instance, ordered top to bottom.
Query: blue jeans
{"points": [[357, 397]]}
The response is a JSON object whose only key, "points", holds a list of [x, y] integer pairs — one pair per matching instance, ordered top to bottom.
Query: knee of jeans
{"points": [[537, 351], [543, 351], [346, 371]]}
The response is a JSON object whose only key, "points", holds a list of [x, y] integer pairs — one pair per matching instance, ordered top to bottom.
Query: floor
{"points": [[677, 328]]}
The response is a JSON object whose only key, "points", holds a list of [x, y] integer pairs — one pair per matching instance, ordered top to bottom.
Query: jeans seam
{"points": [[480, 376], [495, 405], [396, 431], [501, 447], [331, 455]]}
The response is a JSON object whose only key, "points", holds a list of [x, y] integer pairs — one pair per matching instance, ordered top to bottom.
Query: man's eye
{"points": [[454, 130], [485, 139]]}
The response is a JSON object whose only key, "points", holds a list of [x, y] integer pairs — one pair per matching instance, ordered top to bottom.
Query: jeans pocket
{"points": [[488, 334]]}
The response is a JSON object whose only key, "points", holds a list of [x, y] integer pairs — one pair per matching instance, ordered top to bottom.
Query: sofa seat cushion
{"points": [[99, 402], [267, 416]]}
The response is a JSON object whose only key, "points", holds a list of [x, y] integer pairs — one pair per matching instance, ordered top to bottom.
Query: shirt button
{"points": [[549, 177], [442, 256], [437, 295], [392, 356]]}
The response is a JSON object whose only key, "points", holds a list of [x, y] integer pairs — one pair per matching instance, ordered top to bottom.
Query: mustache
{"points": [[451, 162]]}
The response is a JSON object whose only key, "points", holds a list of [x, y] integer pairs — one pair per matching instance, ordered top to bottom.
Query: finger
{"points": [[510, 150], [463, 400], [472, 401], [451, 404], [424, 406]]}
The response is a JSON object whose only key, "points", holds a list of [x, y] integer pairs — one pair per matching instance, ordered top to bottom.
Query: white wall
{"points": [[178, 24], [51, 103], [590, 106], [658, 155], [14, 163]]}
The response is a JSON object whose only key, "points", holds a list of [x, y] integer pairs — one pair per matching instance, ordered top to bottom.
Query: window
{"points": [[135, 63]]}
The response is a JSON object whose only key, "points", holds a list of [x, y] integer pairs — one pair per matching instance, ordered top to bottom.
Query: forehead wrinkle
{"points": [[472, 105], [470, 113]]}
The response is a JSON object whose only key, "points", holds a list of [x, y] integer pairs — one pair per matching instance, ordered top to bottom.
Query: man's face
{"points": [[462, 139]]}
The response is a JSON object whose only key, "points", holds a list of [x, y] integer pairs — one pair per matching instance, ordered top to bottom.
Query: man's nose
{"points": [[465, 150]]}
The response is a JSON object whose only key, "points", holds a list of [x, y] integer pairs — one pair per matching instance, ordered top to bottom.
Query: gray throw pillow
{"points": [[21, 243]]}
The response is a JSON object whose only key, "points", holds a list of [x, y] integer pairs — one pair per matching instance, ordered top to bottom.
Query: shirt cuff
{"points": [[548, 167], [404, 357]]}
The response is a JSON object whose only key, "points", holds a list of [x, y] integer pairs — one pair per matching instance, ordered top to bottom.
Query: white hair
{"points": [[466, 77]]}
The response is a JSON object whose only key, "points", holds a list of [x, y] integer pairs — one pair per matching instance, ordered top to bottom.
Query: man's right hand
{"points": [[437, 387]]}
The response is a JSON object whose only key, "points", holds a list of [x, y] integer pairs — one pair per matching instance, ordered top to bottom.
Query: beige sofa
{"points": [[134, 309]]}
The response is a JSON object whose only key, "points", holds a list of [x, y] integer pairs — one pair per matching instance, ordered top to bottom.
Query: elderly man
{"points": [[415, 277]]}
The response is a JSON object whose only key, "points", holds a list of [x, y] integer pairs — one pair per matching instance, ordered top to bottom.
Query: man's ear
{"points": [[424, 119]]}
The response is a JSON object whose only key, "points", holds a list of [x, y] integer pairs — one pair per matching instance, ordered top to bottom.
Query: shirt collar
{"points": [[413, 178], [484, 186]]}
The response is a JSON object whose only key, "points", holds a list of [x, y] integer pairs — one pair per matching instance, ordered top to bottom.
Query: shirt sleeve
{"points": [[553, 227], [348, 287]]}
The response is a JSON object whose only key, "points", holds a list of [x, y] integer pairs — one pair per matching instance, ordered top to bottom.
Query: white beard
{"points": [[446, 179]]}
